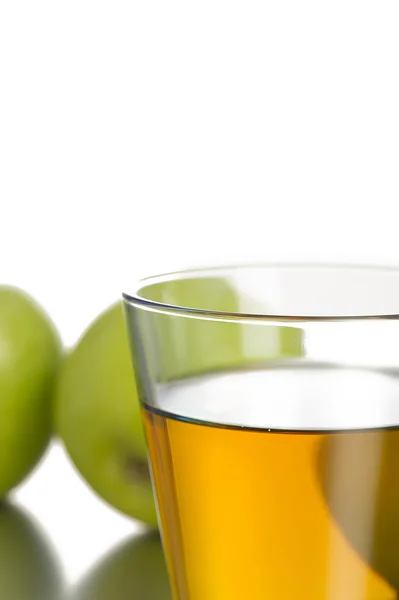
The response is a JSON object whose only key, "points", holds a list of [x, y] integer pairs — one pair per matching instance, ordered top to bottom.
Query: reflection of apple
{"points": [[29, 356], [359, 473], [28, 568], [135, 571]]}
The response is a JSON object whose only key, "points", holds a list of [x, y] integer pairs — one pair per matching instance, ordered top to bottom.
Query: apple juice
{"points": [[279, 483]]}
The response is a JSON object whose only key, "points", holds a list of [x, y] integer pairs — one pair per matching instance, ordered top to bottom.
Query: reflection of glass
{"points": [[271, 405], [28, 567], [136, 570]]}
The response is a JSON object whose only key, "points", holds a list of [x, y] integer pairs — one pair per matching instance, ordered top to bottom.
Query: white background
{"points": [[138, 137]]}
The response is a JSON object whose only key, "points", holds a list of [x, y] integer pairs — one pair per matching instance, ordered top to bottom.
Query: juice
{"points": [[272, 483]]}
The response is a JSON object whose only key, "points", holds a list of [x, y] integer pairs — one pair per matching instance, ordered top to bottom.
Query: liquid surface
{"points": [[300, 398], [280, 484]]}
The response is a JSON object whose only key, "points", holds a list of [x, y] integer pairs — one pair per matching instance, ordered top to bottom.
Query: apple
{"points": [[30, 352], [97, 409], [97, 416], [29, 569], [136, 570]]}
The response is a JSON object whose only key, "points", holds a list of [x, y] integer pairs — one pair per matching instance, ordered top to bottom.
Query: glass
{"points": [[270, 399]]}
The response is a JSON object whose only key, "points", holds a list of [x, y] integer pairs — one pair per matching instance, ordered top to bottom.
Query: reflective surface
{"points": [[59, 541]]}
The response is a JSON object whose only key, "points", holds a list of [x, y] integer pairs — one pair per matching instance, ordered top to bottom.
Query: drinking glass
{"points": [[270, 401]]}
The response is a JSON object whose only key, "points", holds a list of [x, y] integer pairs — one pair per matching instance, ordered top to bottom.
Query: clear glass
{"points": [[270, 398]]}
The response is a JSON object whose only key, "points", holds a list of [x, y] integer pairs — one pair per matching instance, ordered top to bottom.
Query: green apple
{"points": [[30, 353], [97, 410], [97, 415], [28, 567], [135, 571]]}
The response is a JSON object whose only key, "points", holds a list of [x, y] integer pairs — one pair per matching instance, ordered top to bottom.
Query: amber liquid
{"points": [[304, 510]]}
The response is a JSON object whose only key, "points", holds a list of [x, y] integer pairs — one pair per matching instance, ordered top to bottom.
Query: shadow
{"points": [[359, 473], [29, 569], [135, 570]]}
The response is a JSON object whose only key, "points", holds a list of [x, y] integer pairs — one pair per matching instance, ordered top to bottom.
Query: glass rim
{"points": [[240, 316]]}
